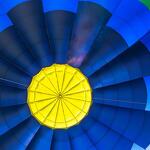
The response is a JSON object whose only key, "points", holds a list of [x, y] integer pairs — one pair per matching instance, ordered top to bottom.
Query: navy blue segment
{"points": [[66, 5], [110, 5], [28, 19], [131, 21], [59, 25], [86, 27], [146, 40], [104, 49], [16, 52], [129, 65], [11, 76], [131, 94], [15, 97], [10, 117], [129, 123], [93, 129], [99, 134], [22, 135], [110, 136], [144, 138], [42, 139], [78, 139], [60, 140], [123, 144]]}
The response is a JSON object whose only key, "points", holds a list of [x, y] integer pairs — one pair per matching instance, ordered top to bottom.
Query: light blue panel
{"points": [[9, 4], [67, 5], [110, 5], [131, 20], [4, 22], [146, 41], [147, 83], [136, 147], [148, 148]]}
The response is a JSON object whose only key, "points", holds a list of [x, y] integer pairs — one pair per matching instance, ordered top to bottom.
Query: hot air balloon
{"points": [[74, 75]]}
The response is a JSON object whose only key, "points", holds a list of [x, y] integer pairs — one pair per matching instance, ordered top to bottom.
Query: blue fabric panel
{"points": [[9, 4], [67, 5], [110, 5], [28, 19], [131, 21], [4, 22], [59, 25], [87, 26], [146, 40], [104, 49], [16, 52], [129, 65], [9, 74], [147, 83], [15, 97], [135, 97], [12, 116], [132, 124], [94, 129], [22, 135], [112, 137], [143, 138], [42, 139], [78, 139], [60, 140], [123, 144], [136, 147]]}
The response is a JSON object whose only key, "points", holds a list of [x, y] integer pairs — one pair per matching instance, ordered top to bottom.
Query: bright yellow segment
{"points": [[59, 96]]}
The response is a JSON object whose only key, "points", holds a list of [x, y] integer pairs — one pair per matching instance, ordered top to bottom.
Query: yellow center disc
{"points": [[59, 96]]}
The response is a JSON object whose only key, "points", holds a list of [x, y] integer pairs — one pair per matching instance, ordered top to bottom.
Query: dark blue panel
{"points": [[67, 5], [110, 5], [28, 19], [131, 21], [59, 25], [86, 27], [146, 40], [104, 49], [16, 52], [129, 65], [11, 76], [131, 94], [15, 97], [12, 116], [129, 123], [135, 126], [94, 129], [98, 133], [22, 135], [112, 137], [143, 138], [42, 139], [78, 139], [60, 140], [123, 144]]}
